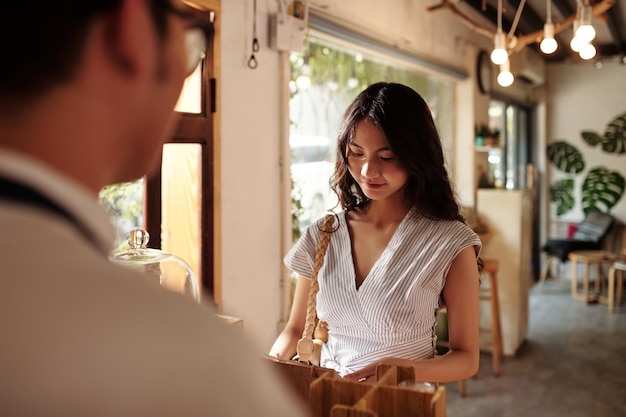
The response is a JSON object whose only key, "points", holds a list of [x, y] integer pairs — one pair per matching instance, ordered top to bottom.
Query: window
{"points": [[324, 80], [508, 163], [175, 205]]}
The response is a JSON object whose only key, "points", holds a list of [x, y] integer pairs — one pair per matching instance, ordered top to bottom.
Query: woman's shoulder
{"points": [[330, 221], [441, 226]]}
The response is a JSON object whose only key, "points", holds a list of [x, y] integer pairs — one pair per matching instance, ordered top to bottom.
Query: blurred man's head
{"points": [[115, 66]]}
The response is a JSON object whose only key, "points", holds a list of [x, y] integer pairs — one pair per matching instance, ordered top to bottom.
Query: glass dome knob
{"points": [[168, 270]]}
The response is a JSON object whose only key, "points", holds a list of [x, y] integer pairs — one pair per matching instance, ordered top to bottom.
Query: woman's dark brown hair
{"points": [[405, 119]]}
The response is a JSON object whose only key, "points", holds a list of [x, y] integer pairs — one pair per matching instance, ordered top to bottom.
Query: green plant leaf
{"points": [[615, 135], [591, 138], [614, 138], [565, 157], [602, 189], [561, 193]]}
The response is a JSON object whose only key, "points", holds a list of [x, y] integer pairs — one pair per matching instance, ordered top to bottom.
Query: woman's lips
{"points": [[371, 186]]}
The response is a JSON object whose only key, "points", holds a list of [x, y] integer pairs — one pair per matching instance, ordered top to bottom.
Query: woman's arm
{"points": [[460, 293], [285, 345]]}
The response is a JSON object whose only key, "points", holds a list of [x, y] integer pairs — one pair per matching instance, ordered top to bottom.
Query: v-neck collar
{"points": [[375, 265]]}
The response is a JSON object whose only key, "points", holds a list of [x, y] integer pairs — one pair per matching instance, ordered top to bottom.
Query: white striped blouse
{"points": [[393, 313]]}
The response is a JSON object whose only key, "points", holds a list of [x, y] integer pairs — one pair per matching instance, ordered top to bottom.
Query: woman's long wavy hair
{"points": [[405, 119]]}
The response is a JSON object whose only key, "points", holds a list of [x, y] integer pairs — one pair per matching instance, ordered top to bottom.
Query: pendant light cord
{"points": [[518, 14], [252, 62]]}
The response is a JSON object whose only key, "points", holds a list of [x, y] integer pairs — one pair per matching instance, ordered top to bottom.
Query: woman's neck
{"points": [[383, 212]]}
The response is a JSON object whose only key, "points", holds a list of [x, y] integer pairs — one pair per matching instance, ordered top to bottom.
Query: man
{"points": [[87, 89]]}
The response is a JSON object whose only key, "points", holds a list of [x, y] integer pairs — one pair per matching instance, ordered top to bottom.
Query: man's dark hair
{"points": [[41, 42]]}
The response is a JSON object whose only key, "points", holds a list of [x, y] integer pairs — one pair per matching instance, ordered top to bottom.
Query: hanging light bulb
{"points": [[585, 31], [576, 42], [548, 44], [587, 51], [499, 54], [505, 77]]}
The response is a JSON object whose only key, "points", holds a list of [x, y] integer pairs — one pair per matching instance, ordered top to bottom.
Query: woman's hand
{"points": [[367, 374]]}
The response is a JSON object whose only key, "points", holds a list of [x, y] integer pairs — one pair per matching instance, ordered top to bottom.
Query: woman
{"points": [[400, 251]]}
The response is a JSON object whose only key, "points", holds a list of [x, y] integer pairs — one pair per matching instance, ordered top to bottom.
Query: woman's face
{"points": [[372, 164]]}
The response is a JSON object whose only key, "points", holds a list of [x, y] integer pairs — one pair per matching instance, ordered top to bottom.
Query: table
{"points": [[588, 258]]}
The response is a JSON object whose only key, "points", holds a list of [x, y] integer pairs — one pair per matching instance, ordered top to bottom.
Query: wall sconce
{"points": [[548, 44], [505, 77]]}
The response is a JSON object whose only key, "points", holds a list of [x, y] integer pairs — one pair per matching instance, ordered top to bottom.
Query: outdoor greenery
{"points": [[124, 202]]}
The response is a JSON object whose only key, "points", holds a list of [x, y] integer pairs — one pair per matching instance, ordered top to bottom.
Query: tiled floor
{"points": [[573, 363]]}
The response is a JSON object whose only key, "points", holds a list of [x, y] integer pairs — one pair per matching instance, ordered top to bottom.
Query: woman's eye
{"points": [[355, 154], [387, 158]]}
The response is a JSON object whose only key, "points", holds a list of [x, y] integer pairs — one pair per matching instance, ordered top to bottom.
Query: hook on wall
{"points": [[252, 62]]}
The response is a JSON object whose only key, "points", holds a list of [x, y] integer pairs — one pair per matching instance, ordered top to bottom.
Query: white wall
{"points": [[582, 97], [252, 123]]}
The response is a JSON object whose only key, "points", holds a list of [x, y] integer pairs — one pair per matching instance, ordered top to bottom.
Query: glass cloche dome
{"points": [[171, 271]]}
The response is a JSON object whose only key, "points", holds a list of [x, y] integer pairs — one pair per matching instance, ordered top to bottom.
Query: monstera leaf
{"points": [[614, 138], [565, 157], [602, 189], [561, 193]]}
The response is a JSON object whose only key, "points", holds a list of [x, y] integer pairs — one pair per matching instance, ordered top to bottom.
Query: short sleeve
{"points": [[301, 256]]}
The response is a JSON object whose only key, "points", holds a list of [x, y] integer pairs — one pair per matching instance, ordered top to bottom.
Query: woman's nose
{"points": [[370, 169]]}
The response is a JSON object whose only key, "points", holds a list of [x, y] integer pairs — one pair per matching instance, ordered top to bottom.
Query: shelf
{"points": [[485, 148]]}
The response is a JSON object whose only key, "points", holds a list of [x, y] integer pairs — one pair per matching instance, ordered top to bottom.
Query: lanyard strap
{"points": [[14, 191]]}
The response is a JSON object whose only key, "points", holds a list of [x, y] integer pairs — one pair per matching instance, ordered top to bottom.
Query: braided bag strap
{"points": [[305, 345]]}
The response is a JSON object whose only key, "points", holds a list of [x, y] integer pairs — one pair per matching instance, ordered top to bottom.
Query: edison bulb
{"points": [[585, 30], [586, 33], [576, 44], [548, 45], [587, 51], [499, 55], [505, 78]]}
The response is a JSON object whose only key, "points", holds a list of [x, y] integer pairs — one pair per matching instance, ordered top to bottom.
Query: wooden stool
{"points": [[588, 257], [617, 267], [546, 271], [491, 294]]}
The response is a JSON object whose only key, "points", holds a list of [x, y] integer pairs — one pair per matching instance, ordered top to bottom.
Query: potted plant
{"points": [[486, 136]]}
